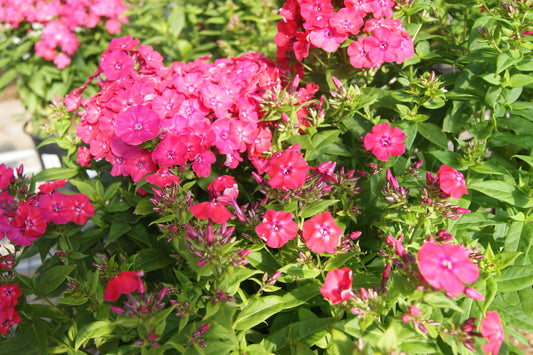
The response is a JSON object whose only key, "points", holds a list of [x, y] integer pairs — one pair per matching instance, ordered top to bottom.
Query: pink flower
{"points": [[326, 38], [359, 54], [116, 64], [137, 124], [385, 142], [202, 163], [287, 169], [452, 182], [79, 209], [277, 228], [321, 233], [447, 267], [125, 282], [338, 285], [491, 328]]}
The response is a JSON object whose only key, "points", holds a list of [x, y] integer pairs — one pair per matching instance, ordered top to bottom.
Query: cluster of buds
{"points": [[413, 169], [394, 193], [432, 196], [169, 200], [348, 242], [207, 244], [403, 261], [221, 297], [363, 302], [145, 306], [414, 316], [466, 333], [196, 336]]}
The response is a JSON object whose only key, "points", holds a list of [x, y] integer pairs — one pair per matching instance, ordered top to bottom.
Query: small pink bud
{"points": [[474, 294], [414, 311], [406, 318]]}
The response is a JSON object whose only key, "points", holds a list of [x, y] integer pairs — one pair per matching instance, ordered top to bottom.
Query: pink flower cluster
{"points": [[61, 19], [318, 24], [148, 118], [23, 221], [9, 294]]}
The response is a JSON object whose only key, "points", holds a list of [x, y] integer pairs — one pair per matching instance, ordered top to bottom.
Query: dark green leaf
{"points": [[503, 191], [53, 278]]}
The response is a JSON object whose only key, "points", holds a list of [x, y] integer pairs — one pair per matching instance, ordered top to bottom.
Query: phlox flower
{"points": [[346, 21], [327, 38], [382, 46], [359, 54], [116, 64], [137, 124], [385, 142], [168, 153], [202, 163], [140, 166], [287, 169], [6, 175], [162, 178], [452, 182], [224, 189], [53, 207], [79, 208], [212, 210], [28, 225], [277, 228], [321, 233], [447, 267], [125, 282], [338, 285], [9, 294], [8, 317], [491, 329]]}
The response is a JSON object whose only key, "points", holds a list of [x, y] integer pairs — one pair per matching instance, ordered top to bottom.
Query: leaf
{"points": [[176, 21], [7, 77], [519, 80], [433, 133], [324, 138], [525, 158], [51, 174], [502, 191], [316, 207], [480, 219], [117, 229], [152, 259], [300, 271], [53, 278], [514, 278], [300, 295], [439, 300], [257, 311], [96, 329], [304, 331], [40, 336], [388, 341]]}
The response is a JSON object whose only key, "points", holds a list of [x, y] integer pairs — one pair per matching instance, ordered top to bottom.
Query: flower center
{"points": [[138, 127], [385, 141], [447, 264]]}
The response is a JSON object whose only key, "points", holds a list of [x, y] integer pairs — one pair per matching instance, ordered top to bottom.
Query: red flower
{"points": [[116, 64], [385, 142], [288, 169], [452, 182], [224, 189], [79, 209], [217, 212], [277, 228], [321, 233], [447, 267], [125, 282], [338, 285], [9, 294], [8, 317], [491, 328]]}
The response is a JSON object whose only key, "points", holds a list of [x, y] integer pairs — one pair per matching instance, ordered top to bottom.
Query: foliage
{"points": [[345, 210]]}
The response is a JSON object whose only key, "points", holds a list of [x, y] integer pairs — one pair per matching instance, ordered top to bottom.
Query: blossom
{"points": [[116, 64], [137, 124], [385, 142], [288, 169], [452, 182], [79, 209], [212, 210], [277, 228], [321, 233], [447, 267], [125, 282], [338, 285], [9, 316], [491, 328]]}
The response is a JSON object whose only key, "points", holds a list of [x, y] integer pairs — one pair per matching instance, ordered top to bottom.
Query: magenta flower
{"points": [[116, 64], [137, 124], [385, 142], [452, 182], [277, 228], [321, 233], [447, 267], [338, 285], [491, 328]]}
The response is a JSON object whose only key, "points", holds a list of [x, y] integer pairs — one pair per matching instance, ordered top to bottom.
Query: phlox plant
{"points": [[366, 193]]}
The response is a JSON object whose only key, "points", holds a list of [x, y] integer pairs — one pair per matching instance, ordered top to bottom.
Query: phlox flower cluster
{"points": [[60, 20], [367, 25], [148, 118], [23, 221], [9, 316]]}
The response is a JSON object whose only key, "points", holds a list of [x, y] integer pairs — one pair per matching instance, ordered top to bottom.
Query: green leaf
{"points": [[176, 21], [504, 61], [7, 77], [519, 80], [433, 133], [324, 138], [525, 158], [51, 174], [502, 191], [144, 207], [316, 207], [479, 219], [117, 229], [152, 259], [303, 271], [53, 278], [514, 278], [300, 295], [439, 300], [257, 311], [93, 330], [305, 331], [40, 336], [388, 341]]}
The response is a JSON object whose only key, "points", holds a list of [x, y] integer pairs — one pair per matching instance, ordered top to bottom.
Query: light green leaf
{"points": [[433, 133], [51, 174], [502, 191], [316, 208], [53, 278], [514, 278], [258, 310], [93, 330]]}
